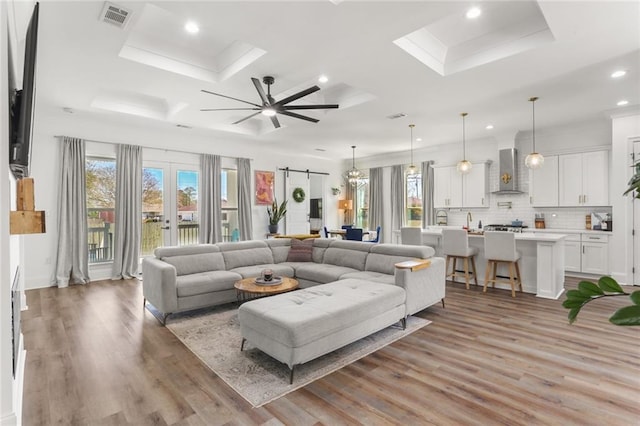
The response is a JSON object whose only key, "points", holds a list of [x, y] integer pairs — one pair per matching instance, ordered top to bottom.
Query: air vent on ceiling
{"points": [[115, 15], [395, 116], [183, 126]]}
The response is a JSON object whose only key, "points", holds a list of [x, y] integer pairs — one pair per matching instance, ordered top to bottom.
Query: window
{"points": [[101, 198], [413, 199], [362, 203], [229, 205]]}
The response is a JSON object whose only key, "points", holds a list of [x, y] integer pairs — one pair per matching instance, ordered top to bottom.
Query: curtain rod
{"points": [[149, 147], [287, 170]]}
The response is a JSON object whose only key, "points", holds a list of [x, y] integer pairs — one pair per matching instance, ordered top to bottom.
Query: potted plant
{"points": [[276, 213]]}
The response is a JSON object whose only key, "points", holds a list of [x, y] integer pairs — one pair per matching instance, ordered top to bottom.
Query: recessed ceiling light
{"points": [[473, 13], [191, 27], [618, 74], [323, 79], [622, 102], [489, 126], [418, 139]]}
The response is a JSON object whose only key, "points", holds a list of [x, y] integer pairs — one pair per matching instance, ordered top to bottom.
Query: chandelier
{"points": [[534, 160], [464, 166], [354, 175]]}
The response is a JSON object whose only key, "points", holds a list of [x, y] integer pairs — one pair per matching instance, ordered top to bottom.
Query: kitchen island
{"points": [[541, 266]]}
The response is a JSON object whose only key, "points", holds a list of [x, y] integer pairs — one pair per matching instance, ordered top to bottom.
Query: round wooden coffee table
{"points": [[247, 289]]}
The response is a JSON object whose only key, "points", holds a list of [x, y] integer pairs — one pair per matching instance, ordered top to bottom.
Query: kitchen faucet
{"points": [[469, 219]]}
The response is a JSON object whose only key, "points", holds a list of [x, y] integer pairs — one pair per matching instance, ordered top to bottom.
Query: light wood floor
{"points": [[95, 357]]}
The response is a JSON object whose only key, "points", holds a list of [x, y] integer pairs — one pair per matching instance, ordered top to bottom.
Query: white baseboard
{"points": [[40, 281]]}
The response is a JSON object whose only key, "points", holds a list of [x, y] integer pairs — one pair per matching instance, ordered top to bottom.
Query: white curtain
{"points": [[427, 194], [397, 197], [210, 198], [244, 199], [376, 203], [128, 226], [72, 262]]}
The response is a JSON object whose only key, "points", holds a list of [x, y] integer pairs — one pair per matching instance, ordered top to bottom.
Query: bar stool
{"points": [[410, 235], [455, 245], [500, 247]]}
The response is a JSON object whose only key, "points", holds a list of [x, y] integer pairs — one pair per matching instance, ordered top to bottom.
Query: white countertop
{"points": [[519, 236]]}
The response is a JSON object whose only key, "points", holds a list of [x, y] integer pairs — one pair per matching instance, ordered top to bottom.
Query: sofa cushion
{"points": [[320, 246], [280, 248], [301, 251], [162, 252], [245, 253], [351, 254], [383, 257], [194, 263], [279, 270], [322, 273], [375, 277], [206, 282]]}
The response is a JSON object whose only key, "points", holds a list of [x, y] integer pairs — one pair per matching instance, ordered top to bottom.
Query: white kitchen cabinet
{"points": [[584, 179], [475, 186], [543, 186], [447, 187], [454, 190], [572, 253], [595, 254]]}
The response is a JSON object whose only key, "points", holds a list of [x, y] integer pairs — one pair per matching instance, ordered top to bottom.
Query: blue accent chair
{"points": [[347, 226], [354, 234], [377, 238]]}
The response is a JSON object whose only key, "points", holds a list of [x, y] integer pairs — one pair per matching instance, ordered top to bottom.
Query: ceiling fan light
{"points": [[269, 112], [534, 160], [464, 167]]}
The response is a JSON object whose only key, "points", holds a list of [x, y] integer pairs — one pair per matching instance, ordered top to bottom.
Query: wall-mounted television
{"points": [[23, 104]]}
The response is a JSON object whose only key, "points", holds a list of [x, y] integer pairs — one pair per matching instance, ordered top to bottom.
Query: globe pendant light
{"points": [[534, 160], [464, 166], [412, 170], [354, 175]]}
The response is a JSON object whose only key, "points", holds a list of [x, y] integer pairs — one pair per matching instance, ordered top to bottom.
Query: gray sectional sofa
{"points": [[183, 278]]}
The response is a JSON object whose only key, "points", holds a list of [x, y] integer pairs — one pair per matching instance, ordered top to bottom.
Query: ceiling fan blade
{"points": [[260, 90], [298, 95], [229, 97], [324, 106], [231, 109], [301, 117], [246, 118], [275, 121]]}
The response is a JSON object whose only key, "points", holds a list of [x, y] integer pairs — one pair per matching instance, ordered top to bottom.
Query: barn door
{"points": [[297, 217]]}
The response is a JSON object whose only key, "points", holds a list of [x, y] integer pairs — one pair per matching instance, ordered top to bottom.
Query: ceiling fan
{"points": [[269, 105]]}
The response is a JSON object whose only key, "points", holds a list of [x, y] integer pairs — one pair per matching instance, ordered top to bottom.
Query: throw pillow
{"points": [[301, 251]]}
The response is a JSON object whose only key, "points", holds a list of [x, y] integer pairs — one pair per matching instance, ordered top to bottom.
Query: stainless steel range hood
{"points": [[508, 177]]}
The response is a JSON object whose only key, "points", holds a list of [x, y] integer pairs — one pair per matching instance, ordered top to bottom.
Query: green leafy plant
{"points": [[634, 183], [276, 213], [606, 287]]}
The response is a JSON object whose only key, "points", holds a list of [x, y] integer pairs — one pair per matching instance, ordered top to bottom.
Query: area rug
{"points": [[213, 335]]}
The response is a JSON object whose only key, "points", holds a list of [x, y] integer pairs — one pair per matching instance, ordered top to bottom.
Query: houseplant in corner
{"points": [[276, 213], [607, 286]]}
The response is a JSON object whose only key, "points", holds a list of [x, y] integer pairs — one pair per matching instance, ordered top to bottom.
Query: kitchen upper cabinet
{"points": [[584, 179], [475, 186], [447, 187], [543, 187], [451, 189]]}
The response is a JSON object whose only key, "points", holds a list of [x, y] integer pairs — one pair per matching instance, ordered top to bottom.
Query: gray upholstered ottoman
{"points": [[302, 325]]}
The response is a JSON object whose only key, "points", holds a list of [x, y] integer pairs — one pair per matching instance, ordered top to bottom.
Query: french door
{"points": [[169, 205]]}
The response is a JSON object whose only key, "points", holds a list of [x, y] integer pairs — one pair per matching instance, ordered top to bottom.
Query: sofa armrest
{"points": [[423, 281], [159, 284]]}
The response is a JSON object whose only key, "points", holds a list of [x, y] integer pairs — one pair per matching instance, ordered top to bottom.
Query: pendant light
{"points": [[534, 160], [464, 166], [412, 170], [354, 175]]}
